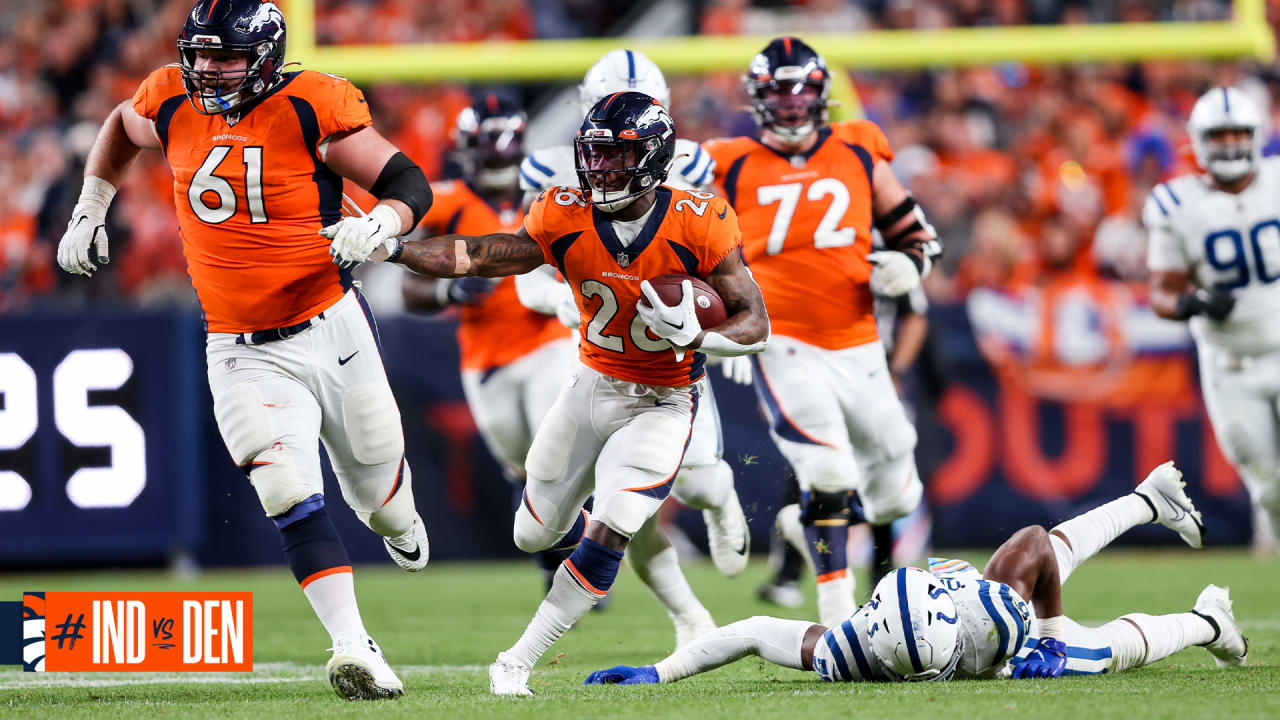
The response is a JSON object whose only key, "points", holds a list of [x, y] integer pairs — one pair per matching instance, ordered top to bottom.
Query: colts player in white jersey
{"points": [[1213, 249], [705, 481], [953, 622]]}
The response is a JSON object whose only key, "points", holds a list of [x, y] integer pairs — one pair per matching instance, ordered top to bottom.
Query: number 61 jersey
{"points": [[252, 196], [687, 232], [1224, 240]]}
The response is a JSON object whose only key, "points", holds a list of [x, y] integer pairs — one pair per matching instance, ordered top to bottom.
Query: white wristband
{"points": [[96, 192], [388, 219], [713, 343], [1052, 627]]}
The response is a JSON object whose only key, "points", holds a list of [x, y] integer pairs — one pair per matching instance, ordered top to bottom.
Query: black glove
{"points": [[469, 290], [1213, 303]]}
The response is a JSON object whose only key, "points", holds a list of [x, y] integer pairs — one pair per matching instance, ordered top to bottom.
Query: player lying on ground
{"points": [[258, 157], [620, 427], [954, 622]]}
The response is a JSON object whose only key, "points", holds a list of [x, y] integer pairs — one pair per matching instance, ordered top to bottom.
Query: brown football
{"points": [[706, 301]]}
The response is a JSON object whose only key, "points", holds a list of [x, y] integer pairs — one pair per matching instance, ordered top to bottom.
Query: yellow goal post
{"points": [[1245, 35]]}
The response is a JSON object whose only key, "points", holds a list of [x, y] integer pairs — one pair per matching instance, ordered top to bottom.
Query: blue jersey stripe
{"points": [[697, 156], [539, 167], [702, 179], [530, 181], [1169, 190], [1160, 205], [984, 592], [1017, 617], [909, 634], [1081, 653], [837, 654], [858, 657]]}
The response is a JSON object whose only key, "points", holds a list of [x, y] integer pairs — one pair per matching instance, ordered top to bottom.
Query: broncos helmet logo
{"points": [[266, 14], [653, 115]]}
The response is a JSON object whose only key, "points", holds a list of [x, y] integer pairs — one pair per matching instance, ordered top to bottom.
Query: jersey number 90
{"points": [[1225, 252]]}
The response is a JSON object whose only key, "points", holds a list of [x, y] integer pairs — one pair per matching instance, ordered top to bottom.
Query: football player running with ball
{"points": [[258, 157], [807, 195], [1213, 248], [620, 427], [705, 481], [954, 622]]}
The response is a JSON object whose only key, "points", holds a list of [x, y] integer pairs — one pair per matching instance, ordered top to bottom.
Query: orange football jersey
{"points": [[252, 196], [806, 229], [687, 233], [497, 330]]}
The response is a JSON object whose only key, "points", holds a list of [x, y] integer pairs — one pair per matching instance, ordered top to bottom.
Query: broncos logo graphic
{"points": [[266, 14], [654, 115]]}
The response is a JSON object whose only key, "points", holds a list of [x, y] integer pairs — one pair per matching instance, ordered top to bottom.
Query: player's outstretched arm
{"points": [[122, 135], [493, 255], [1174, 298], [746, 330], [1026, 562], [789, 643]]}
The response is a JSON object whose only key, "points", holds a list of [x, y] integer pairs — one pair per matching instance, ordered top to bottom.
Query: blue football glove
{"points": [[469, 290], [1047, 660], [624, 675]]}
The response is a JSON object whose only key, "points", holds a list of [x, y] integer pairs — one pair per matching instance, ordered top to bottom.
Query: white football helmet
{"points": [[620, 71], [1225, 108], [913, 626]]}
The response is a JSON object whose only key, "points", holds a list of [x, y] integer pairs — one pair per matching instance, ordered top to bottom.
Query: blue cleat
{"points": [[624, 675]]}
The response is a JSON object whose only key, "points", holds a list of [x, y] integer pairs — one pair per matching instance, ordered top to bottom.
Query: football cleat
{"points": [[1164, 492], [727, 536], [410, 550], [784, 593], [691, 626], [1228, 646], [358, 671], [624, 675], [509, 676]]}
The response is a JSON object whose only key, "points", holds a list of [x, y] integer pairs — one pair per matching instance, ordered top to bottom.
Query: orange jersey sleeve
{"points": [[162, 84], [339, 105], [866, 134], [554, 214]]}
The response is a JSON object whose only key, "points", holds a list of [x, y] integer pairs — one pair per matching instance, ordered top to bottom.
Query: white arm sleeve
{"points": [[1164, 247], [540, 291], [713, 343], [774, 639]]}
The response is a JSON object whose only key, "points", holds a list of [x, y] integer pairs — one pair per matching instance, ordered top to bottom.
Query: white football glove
{"points": [[87, 229], [355, 238], [894, 274], [567, 312], [677, 324], [737, 369]]}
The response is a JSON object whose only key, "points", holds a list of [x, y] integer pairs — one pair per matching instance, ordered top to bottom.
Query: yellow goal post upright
{"points": [[1245, 35]]}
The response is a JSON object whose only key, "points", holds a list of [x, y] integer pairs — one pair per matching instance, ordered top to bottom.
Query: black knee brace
{"points": [[828, 506]]}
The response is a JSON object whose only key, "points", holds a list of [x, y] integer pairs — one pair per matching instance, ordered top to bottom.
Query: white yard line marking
{"points": [[270, 672]]}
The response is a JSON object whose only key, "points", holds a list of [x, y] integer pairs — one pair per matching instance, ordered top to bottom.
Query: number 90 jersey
{"points": [[251, 197], [806, 229], [688, 232], [1224, 240]]}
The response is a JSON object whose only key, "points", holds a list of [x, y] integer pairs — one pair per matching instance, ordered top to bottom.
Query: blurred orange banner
{"points": [[145, 631]]}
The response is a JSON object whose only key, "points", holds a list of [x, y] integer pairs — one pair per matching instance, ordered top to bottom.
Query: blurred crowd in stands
{"points": [[1026, 172]]}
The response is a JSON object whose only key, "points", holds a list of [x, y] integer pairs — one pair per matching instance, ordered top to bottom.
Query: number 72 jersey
{"points": [[252, 196], [806, 229], [1223, 240]]}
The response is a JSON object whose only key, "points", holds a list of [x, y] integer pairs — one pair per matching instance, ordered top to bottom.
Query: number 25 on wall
{"points": [[85, 425]]}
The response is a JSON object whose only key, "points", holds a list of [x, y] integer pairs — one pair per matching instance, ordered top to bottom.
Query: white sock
{"points": [[1081, 537], [655, 562], [333, 597], [835, 599], [565, 604], [774, 639], [1139, 639]]}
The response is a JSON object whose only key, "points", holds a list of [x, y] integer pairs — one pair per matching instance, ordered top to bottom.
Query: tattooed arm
{"points": [[493, 255], [746, 331]]}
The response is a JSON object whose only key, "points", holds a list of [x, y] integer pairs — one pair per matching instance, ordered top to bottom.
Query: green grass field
{"points": [[441, 628]]}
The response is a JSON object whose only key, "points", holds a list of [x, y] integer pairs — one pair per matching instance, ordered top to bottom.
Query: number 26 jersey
{"points": [[252, 196], [687, 232]]}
